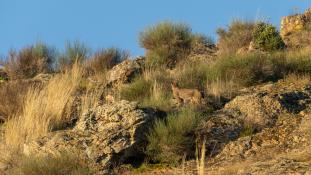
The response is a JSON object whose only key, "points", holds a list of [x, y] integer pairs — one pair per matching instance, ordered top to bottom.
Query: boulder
{"points": [[295, 29], [125, 72], [263, 110], [106, 135]]}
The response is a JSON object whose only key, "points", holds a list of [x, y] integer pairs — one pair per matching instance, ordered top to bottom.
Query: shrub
{"points": [[238, 35], [267, 37], [166, 43], [74, 52], [105, 59], [30, 61], [136, 91], [44, 109], [171, 138], [64, 164]]}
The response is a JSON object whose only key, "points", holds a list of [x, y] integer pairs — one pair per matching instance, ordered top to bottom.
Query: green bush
{"points": [[238, 35], [267, 37], [166, 43], [74, 52], [105, 59], [30, 61], [138, 90], [173, 137], [64, 164]]}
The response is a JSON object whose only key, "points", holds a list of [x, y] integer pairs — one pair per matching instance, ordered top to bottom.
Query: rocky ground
{"points": [[279, 141]]}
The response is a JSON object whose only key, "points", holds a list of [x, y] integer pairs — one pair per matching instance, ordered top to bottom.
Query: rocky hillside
{"points": [[189, 106]]}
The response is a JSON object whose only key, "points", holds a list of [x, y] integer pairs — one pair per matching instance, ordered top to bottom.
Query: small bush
{"points": [[238, 35], [267, 37], [166, 43], [74, 52], [105, 59], [30, 61], [136, 91], [171, 138], [64, 164]]}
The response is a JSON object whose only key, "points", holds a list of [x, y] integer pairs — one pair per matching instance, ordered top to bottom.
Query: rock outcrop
{"points": [[295, 29], [202, 51], [125, 72], [280, 118], [106, 135]]}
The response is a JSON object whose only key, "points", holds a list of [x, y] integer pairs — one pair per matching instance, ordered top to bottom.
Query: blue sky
{"points": [[105, 23]]}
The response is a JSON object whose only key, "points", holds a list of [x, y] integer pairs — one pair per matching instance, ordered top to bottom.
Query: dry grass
{"points": [[304, 79], [219, 88], [12, 96], [43, 109], [200, 157], [66, 162]]}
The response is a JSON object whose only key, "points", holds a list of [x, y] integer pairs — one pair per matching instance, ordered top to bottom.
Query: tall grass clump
{"points": [[238, 35], [267, 37], [166, 43], [75, 51], [30, 61], [12, 97], [159, 97], [44, 108], [174, 136], [66, 163]]}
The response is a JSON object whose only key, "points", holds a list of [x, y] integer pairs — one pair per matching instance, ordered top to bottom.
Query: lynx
{"points": [[185, 96]]}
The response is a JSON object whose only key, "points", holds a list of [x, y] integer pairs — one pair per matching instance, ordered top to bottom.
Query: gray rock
{"points": [[106, 135]]}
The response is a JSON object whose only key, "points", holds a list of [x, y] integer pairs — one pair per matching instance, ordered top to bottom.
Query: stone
{"points": [[295, 29], [125, 72], [106, 135]]}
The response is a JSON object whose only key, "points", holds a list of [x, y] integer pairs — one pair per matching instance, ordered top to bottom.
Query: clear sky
{"points": [[105, 23]]}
